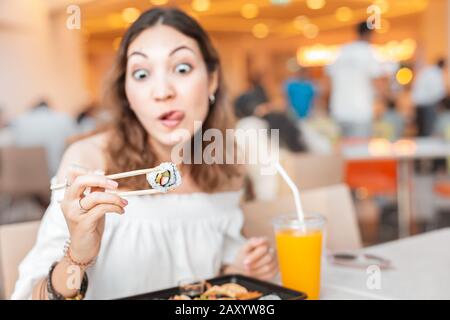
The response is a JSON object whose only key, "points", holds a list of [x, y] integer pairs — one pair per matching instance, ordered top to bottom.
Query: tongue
{"points": [[175, 115]]}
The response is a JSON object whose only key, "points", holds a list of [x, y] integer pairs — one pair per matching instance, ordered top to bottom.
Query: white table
{"points": [[424, 148], [421, 271]]}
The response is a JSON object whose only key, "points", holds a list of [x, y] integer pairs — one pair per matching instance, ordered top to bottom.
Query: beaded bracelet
{"points": [[67, 254], [54, 295]]}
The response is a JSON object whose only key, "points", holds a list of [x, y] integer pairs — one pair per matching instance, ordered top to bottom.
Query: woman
{"points": [[168, 76]]}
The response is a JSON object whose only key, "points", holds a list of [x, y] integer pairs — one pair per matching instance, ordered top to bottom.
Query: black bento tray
{"points": [[250, 283]]}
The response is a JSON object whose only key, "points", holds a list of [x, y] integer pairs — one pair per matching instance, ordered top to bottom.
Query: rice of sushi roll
{"points": [[165, 178]]}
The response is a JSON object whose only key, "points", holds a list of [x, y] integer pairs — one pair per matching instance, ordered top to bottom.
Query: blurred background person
{"points": [[352, 85], [427, 91], [300, 93], [248, 102], [255, 113], [87, 119], [391, 124], [43, 126], [442, 127], [290, 135]]}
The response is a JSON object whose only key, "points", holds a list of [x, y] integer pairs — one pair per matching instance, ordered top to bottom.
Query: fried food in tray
{"points": [[227, 291]]}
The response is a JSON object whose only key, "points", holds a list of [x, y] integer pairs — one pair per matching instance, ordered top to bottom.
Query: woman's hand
{"points": [[85, 214], [255, 259]]}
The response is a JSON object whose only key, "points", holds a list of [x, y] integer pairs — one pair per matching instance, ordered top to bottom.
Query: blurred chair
{"points": [[23, 171], [310, 171], [23, 175], [375, 177], [370, 178], [442, 188], [441, 192], [333, 202], [440, 205], [16, 240]]}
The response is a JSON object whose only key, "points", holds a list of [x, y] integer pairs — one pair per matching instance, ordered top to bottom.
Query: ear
{"points": [[213, 82]]}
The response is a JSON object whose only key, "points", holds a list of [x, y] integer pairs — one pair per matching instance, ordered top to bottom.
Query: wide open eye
{"points": [[183, 68], [140, 74]]}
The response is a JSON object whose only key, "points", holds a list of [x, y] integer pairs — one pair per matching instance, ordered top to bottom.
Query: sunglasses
{"points": [[359, 260]]}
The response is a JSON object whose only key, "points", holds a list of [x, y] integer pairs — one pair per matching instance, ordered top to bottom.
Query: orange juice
{"points": [[299, 246], [299, 258]]}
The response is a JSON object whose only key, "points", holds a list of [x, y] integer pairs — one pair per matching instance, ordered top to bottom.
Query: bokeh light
{"points": [[159, 2], [315, 4], [382, 4], [201, 5], [249, 10], [344, 14], [130, 15], [301, 22], [260, 30], [311, 31], [404, 75], [379, 147], [405, 147]]}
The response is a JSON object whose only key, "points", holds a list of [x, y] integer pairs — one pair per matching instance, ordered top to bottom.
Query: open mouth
{"points": [[172, 119]]}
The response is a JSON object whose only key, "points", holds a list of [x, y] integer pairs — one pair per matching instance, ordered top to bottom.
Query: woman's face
{"points": [[167, 83]]}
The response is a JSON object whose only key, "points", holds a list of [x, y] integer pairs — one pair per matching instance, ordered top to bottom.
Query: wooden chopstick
{"points": [[132, 173], [115, 176], [136, 192], [125, 194]]}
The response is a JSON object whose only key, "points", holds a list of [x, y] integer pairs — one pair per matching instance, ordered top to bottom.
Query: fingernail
{"points": [[112, 184], [87, 191], [124, 202]]}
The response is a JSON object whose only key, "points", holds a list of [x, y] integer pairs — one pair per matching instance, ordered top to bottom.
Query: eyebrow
{"points": [[179, 48], [138, 53]]}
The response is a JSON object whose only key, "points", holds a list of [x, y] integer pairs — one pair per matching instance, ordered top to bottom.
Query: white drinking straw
{"points": [[294, 189]]}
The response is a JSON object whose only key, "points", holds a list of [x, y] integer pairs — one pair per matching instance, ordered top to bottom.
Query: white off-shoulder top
{"points": [[160, 240]]}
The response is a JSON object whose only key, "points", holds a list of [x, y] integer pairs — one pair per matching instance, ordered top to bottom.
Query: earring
{"points": [[212, 99]]}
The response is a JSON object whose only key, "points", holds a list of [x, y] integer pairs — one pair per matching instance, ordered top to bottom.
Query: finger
{"points": [[74, 171], [80, 184], [95, 198], [91, 218], [252, 243], [256, 254], [264, 260], [266, 271], [269, 276]]}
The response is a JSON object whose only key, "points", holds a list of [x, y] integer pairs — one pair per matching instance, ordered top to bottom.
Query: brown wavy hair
{"points": [[128, 147]]}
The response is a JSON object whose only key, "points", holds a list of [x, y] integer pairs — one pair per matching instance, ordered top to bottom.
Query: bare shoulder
{"points": [[88, 153]]}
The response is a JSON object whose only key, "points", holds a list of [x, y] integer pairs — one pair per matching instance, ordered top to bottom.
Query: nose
{"points": [[162, 88]]}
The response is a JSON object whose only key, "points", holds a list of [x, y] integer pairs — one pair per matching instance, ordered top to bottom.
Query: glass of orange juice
{"points": [[299, 247]]}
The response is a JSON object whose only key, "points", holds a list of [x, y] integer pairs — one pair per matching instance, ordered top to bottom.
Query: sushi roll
{"points": [[165, 178]]}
